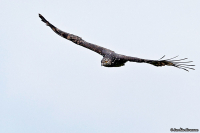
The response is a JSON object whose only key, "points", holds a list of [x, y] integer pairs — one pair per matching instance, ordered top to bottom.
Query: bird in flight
{"points": [[112, 59]]}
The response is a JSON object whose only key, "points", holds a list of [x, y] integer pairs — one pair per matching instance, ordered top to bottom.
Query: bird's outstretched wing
{"points": [[74, 38], [161, 62]]}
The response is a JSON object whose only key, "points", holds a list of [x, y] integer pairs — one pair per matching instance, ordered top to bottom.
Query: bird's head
{"points": [[106, 62]]}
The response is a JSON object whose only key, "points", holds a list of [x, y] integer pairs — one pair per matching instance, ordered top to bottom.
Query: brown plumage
{"points": [[112, 59]]}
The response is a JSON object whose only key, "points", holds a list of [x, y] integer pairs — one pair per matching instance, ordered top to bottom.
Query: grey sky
{"points": [[48, 84]]}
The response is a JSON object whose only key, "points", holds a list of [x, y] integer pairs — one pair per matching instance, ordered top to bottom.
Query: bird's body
{"points": [[110, 58]]}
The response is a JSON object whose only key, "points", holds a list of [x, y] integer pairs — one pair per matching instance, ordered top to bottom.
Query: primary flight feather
{"points": [[112, 59]]}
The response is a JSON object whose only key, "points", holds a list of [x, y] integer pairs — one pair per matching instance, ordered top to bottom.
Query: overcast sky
{"points": [[51, 85]]}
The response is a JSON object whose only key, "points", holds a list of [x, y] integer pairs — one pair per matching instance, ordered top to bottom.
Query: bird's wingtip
{"points": [[40, 15]]}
